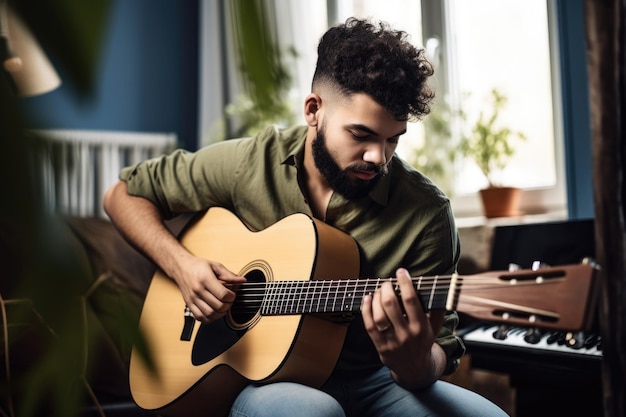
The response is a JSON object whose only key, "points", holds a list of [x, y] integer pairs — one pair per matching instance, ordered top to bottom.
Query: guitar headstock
{"points": [[561, 297]]}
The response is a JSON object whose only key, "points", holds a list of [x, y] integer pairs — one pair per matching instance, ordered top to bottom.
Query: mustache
{"points": [[378, 169]]}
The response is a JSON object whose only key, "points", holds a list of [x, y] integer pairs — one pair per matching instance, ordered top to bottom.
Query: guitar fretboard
{"points": [[335, 296]]}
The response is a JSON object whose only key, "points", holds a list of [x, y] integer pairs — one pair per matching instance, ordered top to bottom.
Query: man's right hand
{"points": [[208, 288]]}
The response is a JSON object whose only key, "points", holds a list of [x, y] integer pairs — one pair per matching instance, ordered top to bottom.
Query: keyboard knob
{"points": [[501, 332], [532, 336], [553, 338], [575, 340], [591, 340]]}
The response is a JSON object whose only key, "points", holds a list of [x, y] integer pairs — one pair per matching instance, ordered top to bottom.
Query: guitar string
{"points": [[352, 285], [341, 291], [350, 292], [349, 296]]}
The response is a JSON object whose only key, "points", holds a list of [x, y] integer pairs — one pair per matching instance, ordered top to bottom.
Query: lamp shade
{"points": [[26, 63]]}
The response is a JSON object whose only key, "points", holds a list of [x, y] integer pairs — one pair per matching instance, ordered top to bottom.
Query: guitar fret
{"points": [[356, 284], [377, 286], [276, 287], [290, 292], [342, 292], [345, 292], [432, 293], [318, 294], [311, 295], [350, 296], [276, 297], [296, 297], [332, 297], [287, 298], [302, 298], [308, 298], [267, 299], [264, 301], [282, 303], [281, 306], [323, 310]]}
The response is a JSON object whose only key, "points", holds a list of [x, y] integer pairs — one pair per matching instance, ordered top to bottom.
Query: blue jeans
{"points": [[372, 394]]}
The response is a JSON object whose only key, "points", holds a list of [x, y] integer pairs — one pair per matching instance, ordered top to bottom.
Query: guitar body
{"points": [[204, 374]]}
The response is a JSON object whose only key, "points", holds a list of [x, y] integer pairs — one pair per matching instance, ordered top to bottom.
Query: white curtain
{"points": [[298, 25]]}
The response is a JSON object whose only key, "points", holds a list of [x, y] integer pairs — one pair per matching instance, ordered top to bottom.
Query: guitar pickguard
{"points": [[212, 340]]}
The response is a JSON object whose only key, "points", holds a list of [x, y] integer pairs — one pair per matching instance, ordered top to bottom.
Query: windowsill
{"points": [[473, 221]]}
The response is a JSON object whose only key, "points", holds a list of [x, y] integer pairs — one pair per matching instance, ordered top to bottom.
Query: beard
{"points": [[338, 179]]}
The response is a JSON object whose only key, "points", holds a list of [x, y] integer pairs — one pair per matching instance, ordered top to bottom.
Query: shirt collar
{"points": [[294, 154]]}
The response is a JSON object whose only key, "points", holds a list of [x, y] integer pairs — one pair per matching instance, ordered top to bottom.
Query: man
{"points": [[340, 168]]}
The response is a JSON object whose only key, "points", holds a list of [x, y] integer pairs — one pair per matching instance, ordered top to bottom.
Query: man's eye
{"points": [[359, 136], [395, 140]]}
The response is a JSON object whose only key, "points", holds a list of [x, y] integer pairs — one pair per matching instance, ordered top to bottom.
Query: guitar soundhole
{"points": [[247, 305]]}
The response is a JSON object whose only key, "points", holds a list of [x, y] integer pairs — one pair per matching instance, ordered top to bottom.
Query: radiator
{"points": [[78, 166]]}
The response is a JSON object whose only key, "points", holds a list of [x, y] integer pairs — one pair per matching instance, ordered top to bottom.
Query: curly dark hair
{"points": [[360, 56]]}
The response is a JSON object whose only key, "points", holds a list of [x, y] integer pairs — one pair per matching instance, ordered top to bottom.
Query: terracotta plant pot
{"points": [[500, 201]]}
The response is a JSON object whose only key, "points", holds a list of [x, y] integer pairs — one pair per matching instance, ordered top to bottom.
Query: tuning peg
{"points": [[591, 262], [537, 265], [514, 267], [532, 336]]}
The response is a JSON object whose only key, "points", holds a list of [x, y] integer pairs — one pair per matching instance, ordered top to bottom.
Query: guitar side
{"points": [[203, 375]]}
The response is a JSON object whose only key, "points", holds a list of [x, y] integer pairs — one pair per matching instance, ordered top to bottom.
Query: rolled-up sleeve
{"points": [[184, 181]]}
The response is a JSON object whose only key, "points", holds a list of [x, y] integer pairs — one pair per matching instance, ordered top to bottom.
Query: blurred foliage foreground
{"points": [[44, 281], [48, 291]]}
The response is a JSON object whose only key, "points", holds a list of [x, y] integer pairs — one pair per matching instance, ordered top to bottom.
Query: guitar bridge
{"points": [[188, 325]]}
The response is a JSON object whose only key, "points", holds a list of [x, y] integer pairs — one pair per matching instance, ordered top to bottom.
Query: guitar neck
{"points": [[337, 296], [519, 297]]}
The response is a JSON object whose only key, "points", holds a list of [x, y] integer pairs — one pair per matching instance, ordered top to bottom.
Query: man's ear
{"points": [[312, 105]]}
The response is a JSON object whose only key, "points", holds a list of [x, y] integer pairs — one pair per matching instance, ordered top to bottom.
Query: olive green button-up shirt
{"points": [[405, 221]]}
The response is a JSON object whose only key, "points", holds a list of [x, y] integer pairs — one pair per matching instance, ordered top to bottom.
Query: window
{"points": [[476, 46], [509, 46]]}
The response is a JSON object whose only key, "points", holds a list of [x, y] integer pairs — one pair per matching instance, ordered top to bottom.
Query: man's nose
{"points": [[375, 154]]}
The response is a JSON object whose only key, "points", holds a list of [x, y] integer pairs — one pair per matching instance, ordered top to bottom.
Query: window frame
{"points": [[545, 200]]}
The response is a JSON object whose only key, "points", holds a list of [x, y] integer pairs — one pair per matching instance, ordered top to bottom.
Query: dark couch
{"points": [[76, 348]]}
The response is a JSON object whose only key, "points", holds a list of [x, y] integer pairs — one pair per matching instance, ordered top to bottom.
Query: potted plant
{"points": [[491, 146]]}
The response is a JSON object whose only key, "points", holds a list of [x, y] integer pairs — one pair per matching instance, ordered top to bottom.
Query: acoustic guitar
{"points": [[289, 320]]}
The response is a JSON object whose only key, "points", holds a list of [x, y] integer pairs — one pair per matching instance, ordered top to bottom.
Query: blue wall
{"points": [[148, 77], [148, 81], [576, 117]]}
